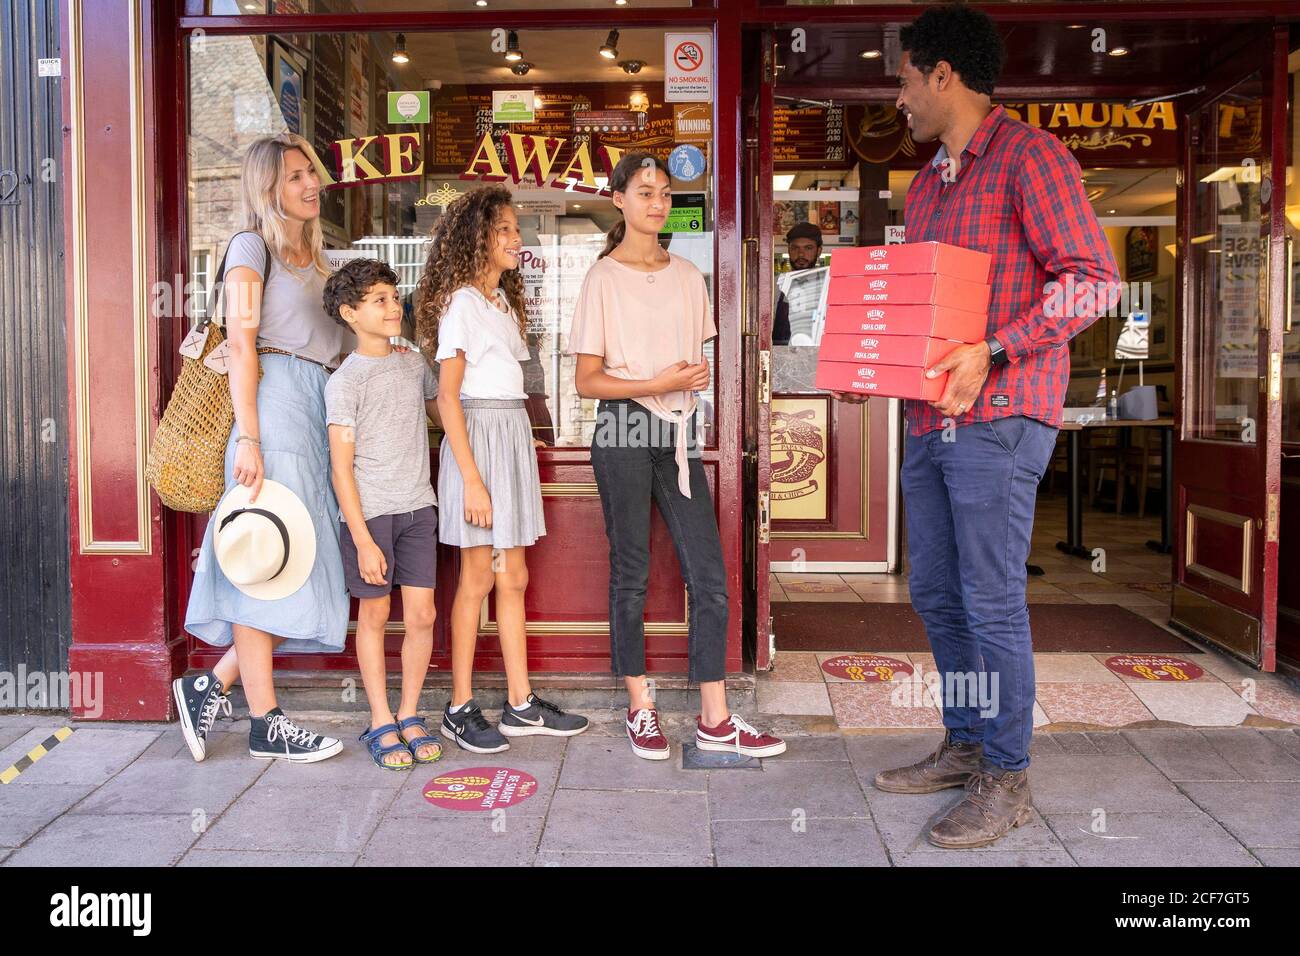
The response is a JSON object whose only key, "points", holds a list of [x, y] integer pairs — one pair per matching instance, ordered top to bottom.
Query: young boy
{"points": [[376, 405]]}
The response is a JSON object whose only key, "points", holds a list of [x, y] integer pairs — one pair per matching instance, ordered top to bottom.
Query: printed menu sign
{"points": [[329, 56], [461, 115], [809, 137]]}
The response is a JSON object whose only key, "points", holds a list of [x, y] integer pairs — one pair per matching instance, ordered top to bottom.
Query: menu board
{"points": [[329, 110], [461, 115], [809, 137]]}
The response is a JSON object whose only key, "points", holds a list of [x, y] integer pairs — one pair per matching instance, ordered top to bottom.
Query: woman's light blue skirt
{"points": [[295, 452]]}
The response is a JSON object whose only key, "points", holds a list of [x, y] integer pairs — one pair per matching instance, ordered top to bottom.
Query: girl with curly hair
{"points": [[470, 311]]}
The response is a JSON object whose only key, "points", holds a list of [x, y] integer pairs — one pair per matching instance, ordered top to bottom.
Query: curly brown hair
{"points": [[458, 255], [350, 284]]}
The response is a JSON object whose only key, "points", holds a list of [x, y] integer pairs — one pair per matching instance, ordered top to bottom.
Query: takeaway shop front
{"points": [[408, 104]]}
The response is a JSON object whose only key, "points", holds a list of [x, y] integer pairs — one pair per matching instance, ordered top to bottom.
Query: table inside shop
{"points": [[1073, 544]]}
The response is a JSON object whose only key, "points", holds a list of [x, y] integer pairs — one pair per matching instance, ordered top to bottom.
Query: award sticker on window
{"points": [[410, 106], [686, 162]]}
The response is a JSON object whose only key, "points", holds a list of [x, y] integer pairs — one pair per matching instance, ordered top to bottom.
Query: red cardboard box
{"points": [[911, 258], [909, 290], [928, 320], [915, 350], [887, 381]]}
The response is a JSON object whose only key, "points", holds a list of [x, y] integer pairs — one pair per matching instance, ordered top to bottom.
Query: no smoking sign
{"points": [[688, 71]]}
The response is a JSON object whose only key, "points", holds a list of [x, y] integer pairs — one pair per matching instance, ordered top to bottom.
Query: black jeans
{"points": [[632, 456]]}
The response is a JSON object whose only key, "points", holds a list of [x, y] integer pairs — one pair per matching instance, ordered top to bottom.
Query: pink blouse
{"points": [[640, 323]]}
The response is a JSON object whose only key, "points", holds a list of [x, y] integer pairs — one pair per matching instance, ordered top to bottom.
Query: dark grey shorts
{"points": [[410, 545]]}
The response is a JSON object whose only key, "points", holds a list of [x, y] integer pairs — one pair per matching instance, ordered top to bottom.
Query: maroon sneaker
{"points": [[643, 732], [733, 735]]}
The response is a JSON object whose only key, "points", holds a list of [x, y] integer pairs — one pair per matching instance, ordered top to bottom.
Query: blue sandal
{"points": [[418, 742], [378, 751]]}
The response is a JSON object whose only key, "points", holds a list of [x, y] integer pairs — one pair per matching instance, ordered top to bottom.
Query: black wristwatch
{"points": [[997, 354]]}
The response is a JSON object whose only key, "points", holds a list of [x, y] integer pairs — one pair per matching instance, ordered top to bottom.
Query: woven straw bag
{"points": [[186, 464]]}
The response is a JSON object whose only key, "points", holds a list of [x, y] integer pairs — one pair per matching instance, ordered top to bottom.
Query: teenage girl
{"points": [[470, 309], [639, 329]]}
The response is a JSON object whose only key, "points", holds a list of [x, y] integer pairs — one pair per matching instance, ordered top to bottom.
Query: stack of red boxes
{"points": [[894, 311]]}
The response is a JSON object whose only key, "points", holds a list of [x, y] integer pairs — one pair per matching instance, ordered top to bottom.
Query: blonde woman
{"points": [[274, 277]]}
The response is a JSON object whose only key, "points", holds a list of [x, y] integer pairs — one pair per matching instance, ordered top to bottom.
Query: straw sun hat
{"points": [[267, 548]]}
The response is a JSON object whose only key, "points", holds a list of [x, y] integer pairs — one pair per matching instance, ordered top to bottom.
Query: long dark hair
{"points": [[618, 181], [457, 255]]}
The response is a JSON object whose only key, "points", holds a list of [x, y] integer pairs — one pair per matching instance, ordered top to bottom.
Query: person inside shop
{"points": [[803, 247], [639, 328], [973, 459], [278, 498]]}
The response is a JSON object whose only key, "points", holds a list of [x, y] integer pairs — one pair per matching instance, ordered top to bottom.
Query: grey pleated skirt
{"points": [[501, 438]]}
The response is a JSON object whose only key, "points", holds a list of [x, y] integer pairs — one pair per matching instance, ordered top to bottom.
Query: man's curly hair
{"points": [[964, 37], [458, 254], [352, 281]]}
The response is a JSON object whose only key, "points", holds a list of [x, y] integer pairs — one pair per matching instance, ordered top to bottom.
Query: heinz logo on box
{"points": [[913, 258], [909, 290], [934, 321], [892, 381]]}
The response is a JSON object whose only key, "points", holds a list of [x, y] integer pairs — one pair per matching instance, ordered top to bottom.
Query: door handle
{"points": [[1287, 284]]}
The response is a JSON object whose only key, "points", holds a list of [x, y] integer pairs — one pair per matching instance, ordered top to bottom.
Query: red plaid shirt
{"points": [[1019, 196]]}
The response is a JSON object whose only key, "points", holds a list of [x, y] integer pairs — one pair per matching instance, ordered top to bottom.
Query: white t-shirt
{"points": [[491, 342]]}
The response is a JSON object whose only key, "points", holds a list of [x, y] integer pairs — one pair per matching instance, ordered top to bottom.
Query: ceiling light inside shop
{"points": [[480, 3], [610, 48], [1119, 51], [513, 52], [870, 54], [400, 55]]}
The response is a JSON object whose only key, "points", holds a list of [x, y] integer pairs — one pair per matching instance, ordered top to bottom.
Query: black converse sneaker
{"points": [[198, 698], [540, 717], [471, 731], [274, 735]]}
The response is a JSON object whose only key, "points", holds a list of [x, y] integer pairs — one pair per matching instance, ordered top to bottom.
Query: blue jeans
{"points": [[970, 513]]}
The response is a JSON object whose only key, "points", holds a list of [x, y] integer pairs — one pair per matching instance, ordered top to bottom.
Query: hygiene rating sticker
{"points": [[866, 667], [1153, 667], [480, 788]]}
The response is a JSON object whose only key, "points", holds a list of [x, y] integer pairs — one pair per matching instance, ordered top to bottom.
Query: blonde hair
{"points": [[260, 181]]}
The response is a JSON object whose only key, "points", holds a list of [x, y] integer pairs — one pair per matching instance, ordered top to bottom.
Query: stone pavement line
{"points": [[10, 774], [1163, 815], [59, 816]]}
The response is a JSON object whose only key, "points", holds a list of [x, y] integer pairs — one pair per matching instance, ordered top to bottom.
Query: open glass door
{"points": [[1227, 438]]}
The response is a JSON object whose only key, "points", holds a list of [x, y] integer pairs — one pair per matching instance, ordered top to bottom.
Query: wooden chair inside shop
{"points": [[1139, 459]]}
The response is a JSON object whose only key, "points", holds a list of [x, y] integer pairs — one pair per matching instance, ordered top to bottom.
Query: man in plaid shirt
{"points": [[974, 458]]}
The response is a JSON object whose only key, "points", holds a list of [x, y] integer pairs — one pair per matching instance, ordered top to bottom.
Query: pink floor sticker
{"points": [[866, 667], [1154, 667], [480, 788]]}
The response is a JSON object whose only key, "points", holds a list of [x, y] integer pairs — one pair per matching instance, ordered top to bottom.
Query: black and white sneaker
{"points": [[198, 699], [540, 717], [471, 731], [275, 736]]}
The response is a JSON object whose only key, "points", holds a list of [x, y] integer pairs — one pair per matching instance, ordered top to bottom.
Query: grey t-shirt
{"points": [[293, 307], [382, 400]]}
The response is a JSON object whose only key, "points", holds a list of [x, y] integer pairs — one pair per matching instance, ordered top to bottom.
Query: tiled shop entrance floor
{"points": [[1073, 689]]}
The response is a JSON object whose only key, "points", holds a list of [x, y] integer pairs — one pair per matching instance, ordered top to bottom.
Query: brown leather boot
{"points": [[949, 766], [996, 802]]}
